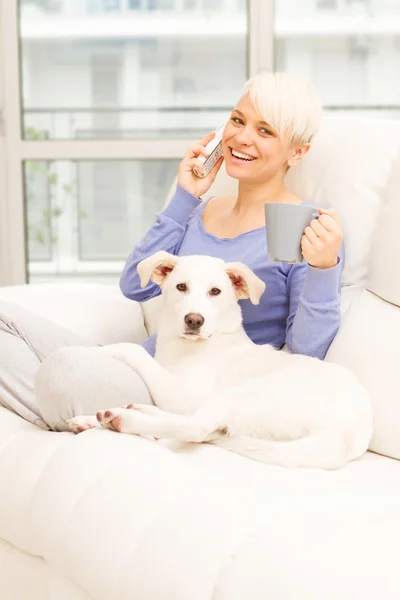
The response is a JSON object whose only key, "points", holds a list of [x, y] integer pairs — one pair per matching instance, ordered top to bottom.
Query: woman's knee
{"points": [[77, 381]]}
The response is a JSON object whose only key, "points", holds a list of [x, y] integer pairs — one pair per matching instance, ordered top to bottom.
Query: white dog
{"points": [[211, 383]]}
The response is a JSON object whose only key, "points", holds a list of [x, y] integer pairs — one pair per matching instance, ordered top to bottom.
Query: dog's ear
{"points": [[156, 267], [245, 283]]}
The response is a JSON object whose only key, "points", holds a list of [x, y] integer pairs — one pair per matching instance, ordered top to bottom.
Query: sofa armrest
{"points": [[97, 312]]}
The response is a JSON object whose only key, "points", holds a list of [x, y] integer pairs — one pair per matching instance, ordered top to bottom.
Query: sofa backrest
{"points": [[349, 167], [384, 264]]}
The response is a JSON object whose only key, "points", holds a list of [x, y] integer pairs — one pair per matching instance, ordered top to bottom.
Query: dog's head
{"points": [[200, 293]]}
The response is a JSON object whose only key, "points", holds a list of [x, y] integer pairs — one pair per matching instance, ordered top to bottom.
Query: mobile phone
{"points": [[215, 149]]}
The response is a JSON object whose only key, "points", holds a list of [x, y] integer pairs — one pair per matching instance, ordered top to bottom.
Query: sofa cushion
{"points": [[348, 168], [384, 270], [97, 312], [367, 344], [123, 517]]}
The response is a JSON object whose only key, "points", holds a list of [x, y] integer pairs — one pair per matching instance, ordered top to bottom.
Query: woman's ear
{"points": [[297, 153], [156, 267], [245, 283]]}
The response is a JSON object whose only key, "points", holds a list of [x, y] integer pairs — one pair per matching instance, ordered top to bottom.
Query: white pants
{"points": [[75, 378]]}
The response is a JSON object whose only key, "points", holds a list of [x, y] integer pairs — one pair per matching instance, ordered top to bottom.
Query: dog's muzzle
{"points": [[193, 322]]}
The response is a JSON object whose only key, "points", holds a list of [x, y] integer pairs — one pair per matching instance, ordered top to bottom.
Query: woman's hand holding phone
{"points": [[187, 179]]}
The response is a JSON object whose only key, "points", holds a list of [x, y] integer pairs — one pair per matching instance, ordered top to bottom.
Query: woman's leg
{"points": [[26, 340], [78, 381]]}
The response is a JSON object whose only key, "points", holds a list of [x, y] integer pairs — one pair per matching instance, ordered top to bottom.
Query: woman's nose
{"points": [[244, 136]]}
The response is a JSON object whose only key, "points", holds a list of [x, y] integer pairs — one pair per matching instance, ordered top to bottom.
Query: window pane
{"points": [[349, 48], [153, 69], [39, 189], [83, 218]]}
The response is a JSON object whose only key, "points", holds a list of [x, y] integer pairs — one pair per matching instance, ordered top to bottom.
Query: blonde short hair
{"points": [[287, 102]]}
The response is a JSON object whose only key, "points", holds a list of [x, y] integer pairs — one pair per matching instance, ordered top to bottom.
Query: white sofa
{"points": [[103, 516]]}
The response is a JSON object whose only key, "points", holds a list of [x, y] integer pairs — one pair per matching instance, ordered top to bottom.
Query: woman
{"points": [[270, 130]]}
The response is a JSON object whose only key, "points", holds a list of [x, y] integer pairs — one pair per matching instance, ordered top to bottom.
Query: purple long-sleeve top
{"points": [[300, 305]]}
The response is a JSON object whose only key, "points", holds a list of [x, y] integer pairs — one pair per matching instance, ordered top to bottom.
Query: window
{"points": [[354, 70], [94, 81]]}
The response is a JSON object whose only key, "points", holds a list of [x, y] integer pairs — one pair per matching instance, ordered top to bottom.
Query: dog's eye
{"points": [[182, 287], [215, 291]]}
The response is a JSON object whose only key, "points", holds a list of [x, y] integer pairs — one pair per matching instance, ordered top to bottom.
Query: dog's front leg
{"points": [[164, 387], [186, 428]]}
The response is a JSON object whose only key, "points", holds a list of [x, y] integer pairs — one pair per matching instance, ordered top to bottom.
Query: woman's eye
{"points": [[237, 121], [265, 131], [182, 287], [215, 291]]}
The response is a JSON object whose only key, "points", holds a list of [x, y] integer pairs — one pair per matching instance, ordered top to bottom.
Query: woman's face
{"points": [[252, 149]]}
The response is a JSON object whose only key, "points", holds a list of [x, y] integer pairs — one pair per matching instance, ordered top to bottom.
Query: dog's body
{"points": [[211, 383]]}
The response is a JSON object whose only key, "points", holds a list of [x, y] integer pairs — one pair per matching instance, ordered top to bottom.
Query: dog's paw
{"points": [[113, 418], [125, 420], [82, 423]]}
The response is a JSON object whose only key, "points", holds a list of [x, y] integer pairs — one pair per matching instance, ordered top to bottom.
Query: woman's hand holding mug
{"points": [[187, 179], [297, 231], [322, 239]]}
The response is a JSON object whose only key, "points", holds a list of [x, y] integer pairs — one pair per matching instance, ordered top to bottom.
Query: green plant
{"points": [[41, 229]]}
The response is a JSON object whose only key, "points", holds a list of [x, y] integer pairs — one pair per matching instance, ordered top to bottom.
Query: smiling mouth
{"points": [[242, 156]]}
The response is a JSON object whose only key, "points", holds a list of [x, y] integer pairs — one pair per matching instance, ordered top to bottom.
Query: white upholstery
{"points": [[349, 167], [384, 268], [78, 307], [368, 344], [101, 515], [121, 517], [27, 577]]}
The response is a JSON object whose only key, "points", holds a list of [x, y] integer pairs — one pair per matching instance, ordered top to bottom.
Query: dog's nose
{"points": [[194, 321]]}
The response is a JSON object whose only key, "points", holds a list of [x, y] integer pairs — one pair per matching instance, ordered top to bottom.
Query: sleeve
{"points": [[165, 234], [314, 308], [149, 344]]}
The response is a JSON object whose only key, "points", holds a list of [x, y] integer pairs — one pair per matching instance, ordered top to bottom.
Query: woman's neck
{"points": [[252, 197]]}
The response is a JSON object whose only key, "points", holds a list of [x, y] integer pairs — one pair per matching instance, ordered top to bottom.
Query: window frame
{"points": [[14, 150]]}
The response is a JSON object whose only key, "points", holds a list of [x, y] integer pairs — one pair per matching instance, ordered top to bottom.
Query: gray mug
{"points": [[285, 225]]}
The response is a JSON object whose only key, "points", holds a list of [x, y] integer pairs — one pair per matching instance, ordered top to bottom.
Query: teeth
{"points": [[243, 156]]}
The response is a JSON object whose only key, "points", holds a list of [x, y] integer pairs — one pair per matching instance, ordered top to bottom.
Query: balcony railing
{"points": [[69, 7], [282, 7], [123, 123], [143, 123]]}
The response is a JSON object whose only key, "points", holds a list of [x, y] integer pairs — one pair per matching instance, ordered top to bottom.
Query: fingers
{"points": [[199, 148], [196, 150], [195, 162], [186, 178], [329, 218], [328, 223], [318, 230], [311, 236], [322, 239], [306, 245]]}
